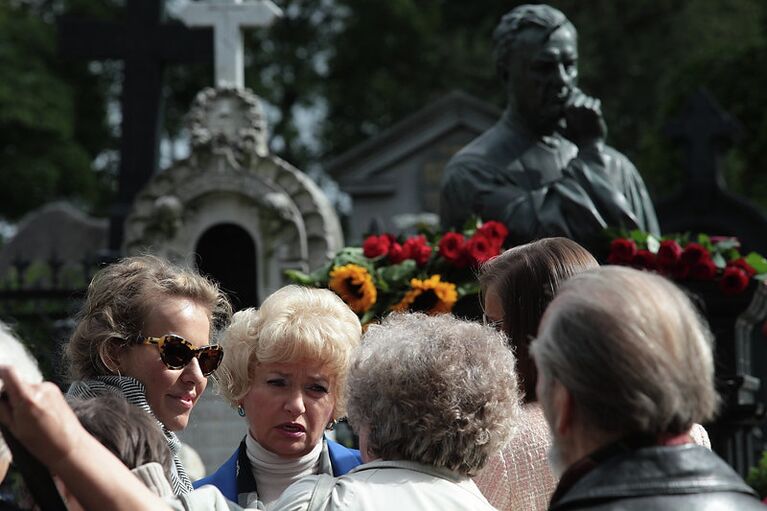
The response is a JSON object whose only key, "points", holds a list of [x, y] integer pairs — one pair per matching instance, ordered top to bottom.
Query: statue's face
{"points": [[542, 76]]}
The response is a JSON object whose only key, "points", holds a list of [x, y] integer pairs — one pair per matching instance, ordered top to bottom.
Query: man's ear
{"points": [[564, 406]]}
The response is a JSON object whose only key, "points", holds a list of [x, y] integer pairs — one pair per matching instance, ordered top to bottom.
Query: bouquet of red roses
{"points": [[707, 258], [427, 272]]}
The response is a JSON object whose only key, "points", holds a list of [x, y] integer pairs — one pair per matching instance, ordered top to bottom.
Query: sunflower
{"points": [[355, 286], [430, 296]]}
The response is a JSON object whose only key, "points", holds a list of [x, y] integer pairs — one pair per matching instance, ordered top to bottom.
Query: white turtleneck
{"points": [[274, 473]]}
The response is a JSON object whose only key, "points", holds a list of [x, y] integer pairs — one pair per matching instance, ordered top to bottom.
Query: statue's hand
{"points": [[584, 122]]}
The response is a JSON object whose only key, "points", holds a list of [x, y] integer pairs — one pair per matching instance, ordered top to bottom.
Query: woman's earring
{"points": [[240, 411], [331, 425]]}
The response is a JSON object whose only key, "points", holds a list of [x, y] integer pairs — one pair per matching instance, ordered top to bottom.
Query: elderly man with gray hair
{"points": [[625, 369]]}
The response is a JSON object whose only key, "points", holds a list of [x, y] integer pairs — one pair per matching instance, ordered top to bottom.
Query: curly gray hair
{"points": [[631, 349], [435, 390]]}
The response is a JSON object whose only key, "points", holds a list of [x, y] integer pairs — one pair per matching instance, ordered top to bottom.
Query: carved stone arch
{"points": [[288, 217]]}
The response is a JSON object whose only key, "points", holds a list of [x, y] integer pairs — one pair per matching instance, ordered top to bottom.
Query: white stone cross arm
{"points": [[228, 17]]}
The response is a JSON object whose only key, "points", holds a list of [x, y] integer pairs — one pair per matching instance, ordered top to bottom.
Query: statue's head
{"points": [[536, 55]]}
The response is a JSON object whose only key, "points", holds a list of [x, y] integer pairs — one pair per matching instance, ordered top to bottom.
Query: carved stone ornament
{"points": [[228, 121], [230, 178]]}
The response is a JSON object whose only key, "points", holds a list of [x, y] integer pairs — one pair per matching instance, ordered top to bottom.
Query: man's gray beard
{"points": [[556, 460]]}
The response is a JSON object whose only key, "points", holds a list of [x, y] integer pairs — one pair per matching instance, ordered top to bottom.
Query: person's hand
{"points": [[585, 124], [40, 418]]}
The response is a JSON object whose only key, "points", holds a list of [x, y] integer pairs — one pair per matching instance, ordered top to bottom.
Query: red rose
{"points": [[495, 232], [375, 246], [417, 248], [451, 248], [480, 249], [622, 251], [398, 253], [693, 253], [669, 254], [643, 259], [743, 265], [703, 269], [678, 271], [734, 280]]}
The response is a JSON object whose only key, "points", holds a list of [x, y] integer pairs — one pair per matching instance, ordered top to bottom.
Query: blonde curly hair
{"points": [[293, 324]]}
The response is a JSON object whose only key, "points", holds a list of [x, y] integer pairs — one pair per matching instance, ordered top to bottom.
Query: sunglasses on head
{"points": [[176, 352]]}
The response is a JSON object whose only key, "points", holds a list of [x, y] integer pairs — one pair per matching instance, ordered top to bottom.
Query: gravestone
{"points": [[146, 45], [396, 175], [703, 204], [56, 235], [750, 345]]}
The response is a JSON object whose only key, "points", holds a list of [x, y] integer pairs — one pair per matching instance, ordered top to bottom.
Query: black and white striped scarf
{"points": [[133, 391]]}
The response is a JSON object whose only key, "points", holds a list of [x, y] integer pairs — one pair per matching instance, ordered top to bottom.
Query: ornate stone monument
{"points": [[544, 169], [231, 180], [238, 212]]}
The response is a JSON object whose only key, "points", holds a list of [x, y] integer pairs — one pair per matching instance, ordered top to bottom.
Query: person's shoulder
{"points": [[342, 458], [224, 478], [298, 495], [203, 499]]}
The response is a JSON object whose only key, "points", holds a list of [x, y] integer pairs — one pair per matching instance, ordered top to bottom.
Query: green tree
{"points": [[50, 131]]}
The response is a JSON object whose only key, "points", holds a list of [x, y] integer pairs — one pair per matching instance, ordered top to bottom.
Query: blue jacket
{"points": [[231, 481]]}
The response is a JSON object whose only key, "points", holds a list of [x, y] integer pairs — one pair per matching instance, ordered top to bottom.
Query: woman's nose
{"points": [[192, 372], [295, 403]]}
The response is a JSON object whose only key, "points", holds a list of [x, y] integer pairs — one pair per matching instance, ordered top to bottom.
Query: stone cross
{"points": [[227, 17], [146, 44], [705, 131]]}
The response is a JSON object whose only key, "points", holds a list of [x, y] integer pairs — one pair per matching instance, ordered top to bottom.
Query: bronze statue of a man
{"points": [[544, 169]]}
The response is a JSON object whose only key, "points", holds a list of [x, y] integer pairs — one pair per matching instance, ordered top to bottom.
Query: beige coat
{"points": [[390, 485], [375, 486]]}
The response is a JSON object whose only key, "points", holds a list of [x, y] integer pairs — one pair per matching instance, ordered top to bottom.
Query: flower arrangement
{"points": [[684, 258], [427, 272]]}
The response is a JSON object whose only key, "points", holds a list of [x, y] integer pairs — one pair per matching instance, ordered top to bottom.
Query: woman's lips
{"points": [[186, 400], [291, 429]]}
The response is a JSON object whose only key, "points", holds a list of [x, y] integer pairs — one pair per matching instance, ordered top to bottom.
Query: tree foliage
{"points": [[45, 153]]}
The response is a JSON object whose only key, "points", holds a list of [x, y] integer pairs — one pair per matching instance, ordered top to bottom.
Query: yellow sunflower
{"points": [[355, 286], [430, 296]]}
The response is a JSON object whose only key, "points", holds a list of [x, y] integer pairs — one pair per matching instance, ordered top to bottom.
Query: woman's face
{"points": [[493, 309], [171, 393], [289, 406]]}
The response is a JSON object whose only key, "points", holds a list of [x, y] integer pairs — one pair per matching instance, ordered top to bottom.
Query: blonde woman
{"points": [[144, 333], [285, 373]]}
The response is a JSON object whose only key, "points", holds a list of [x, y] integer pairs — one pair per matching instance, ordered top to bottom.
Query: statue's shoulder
{"points": [[495, 148], [620, 160]]}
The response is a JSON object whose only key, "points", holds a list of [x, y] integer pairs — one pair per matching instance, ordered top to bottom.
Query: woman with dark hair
{"points": [[519, 284], [516, 287]]}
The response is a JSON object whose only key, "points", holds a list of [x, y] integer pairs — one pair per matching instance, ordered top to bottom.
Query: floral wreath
{"points": [[682, 257], [427, 272]]}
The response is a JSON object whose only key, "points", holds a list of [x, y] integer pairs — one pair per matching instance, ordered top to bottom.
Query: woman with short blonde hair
{"points": [[285, 371]]}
